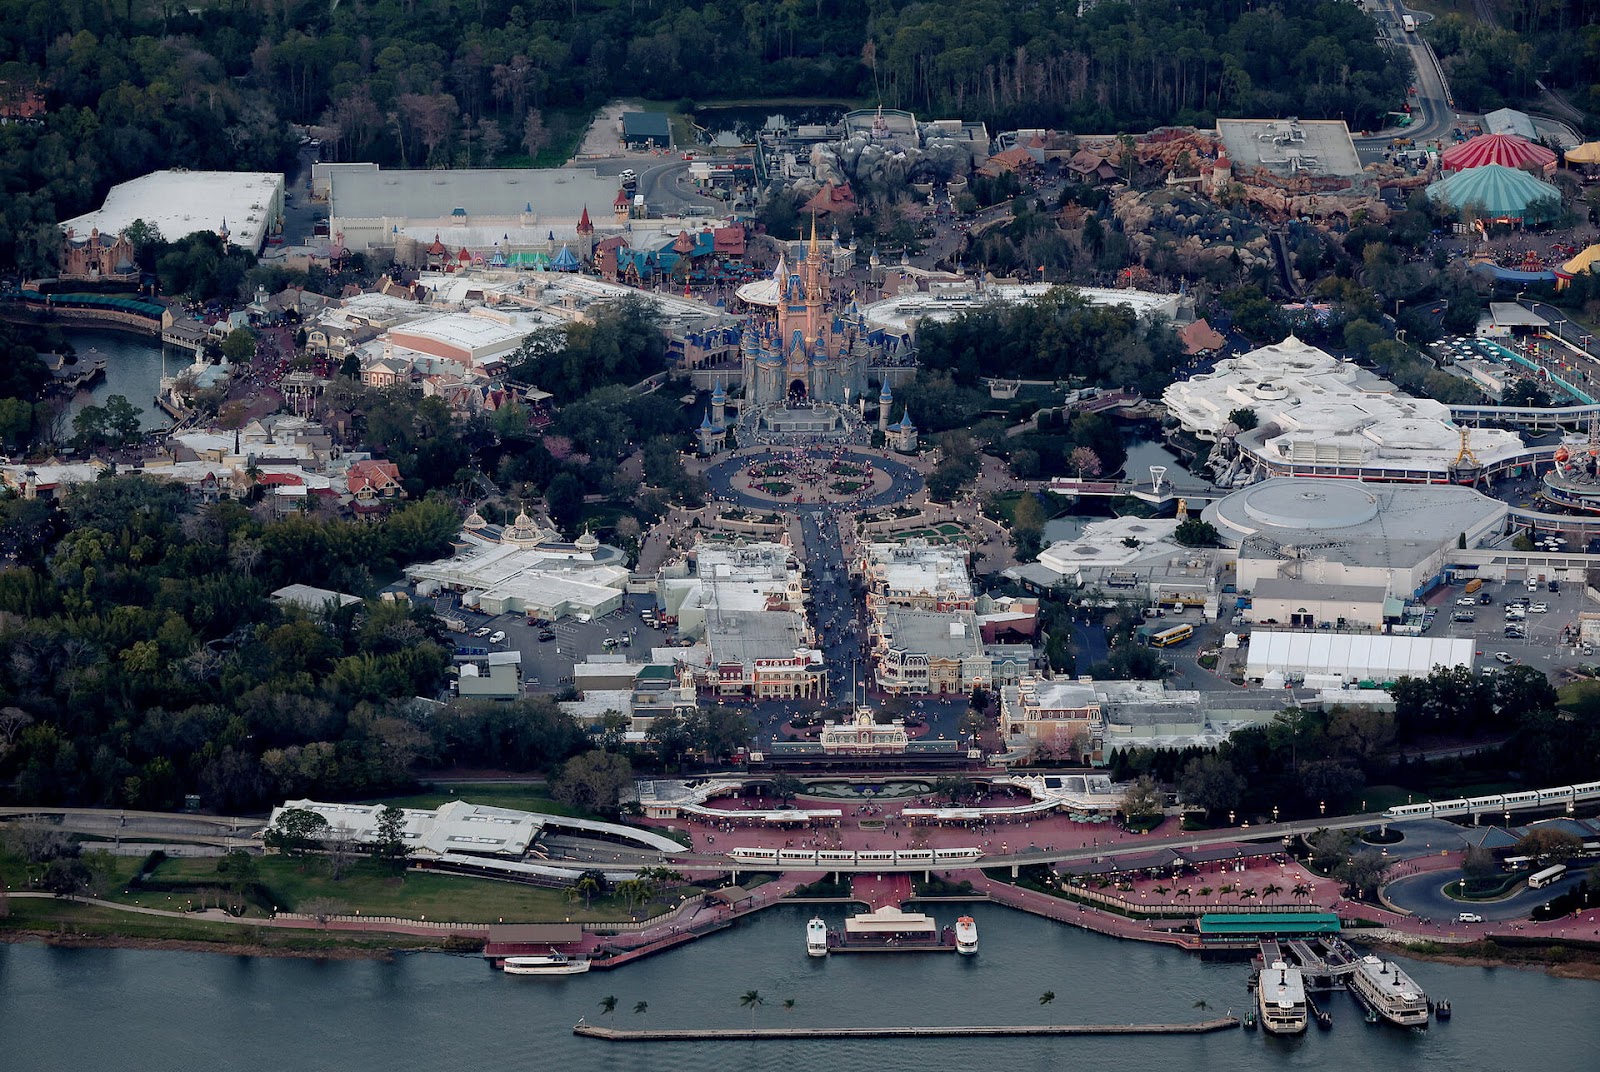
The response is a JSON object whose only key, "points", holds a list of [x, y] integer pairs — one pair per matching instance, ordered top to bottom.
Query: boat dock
{"points": [[753, 1034]]}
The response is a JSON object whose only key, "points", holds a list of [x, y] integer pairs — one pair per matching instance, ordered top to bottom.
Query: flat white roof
{"points": [[400, 194], [180, 203], [477, 335], [1360, 655]]}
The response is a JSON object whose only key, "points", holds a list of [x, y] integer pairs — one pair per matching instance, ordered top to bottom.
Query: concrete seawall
{"points": [[751, 1034]]}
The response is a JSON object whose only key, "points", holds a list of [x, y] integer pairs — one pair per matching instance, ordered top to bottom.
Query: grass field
{"points": [[372, 890], [68, 919]]}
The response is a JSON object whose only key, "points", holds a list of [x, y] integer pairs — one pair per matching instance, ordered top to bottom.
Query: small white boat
{"points": [[966, 936], [817, 937], [547, 964]]}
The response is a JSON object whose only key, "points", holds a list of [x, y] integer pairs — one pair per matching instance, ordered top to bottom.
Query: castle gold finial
{"points": [[813, 234]]}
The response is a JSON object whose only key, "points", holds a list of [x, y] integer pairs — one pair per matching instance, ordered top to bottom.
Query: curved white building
{"points": [[1320, 416]]}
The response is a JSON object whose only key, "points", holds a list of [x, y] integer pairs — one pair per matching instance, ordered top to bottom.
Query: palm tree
{"points": [[1301, 889], [1161, 890], [1271, 890], [1206, 891], [1247, 893], [1047, 997], [752, 1000], [788, 1004], [1202, 1004], [608, 1005], [640, 1008]]}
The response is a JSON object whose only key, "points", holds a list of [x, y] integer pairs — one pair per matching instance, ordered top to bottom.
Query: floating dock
{"points": [[754, 1034]]}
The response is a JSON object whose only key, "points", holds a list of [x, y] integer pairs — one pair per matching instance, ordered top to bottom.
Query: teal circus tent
{"points": [[1502, 192], [528, 260], [565, 261]]}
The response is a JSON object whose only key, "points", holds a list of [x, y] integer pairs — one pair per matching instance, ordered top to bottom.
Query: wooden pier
{"points": [[754, 1034]]}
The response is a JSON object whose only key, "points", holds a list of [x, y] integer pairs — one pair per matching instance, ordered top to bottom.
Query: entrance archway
{"points": [[797, 391]]}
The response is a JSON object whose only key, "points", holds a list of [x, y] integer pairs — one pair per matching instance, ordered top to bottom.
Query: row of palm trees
{"points": [[642, 889], [1301, 891], [750, 999]]}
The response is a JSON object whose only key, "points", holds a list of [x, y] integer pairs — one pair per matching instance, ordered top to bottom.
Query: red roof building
{"points": [[1507, 150], [368, 480]]}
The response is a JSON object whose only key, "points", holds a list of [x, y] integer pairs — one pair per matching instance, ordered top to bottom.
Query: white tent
{"points": [[1364, 657]]}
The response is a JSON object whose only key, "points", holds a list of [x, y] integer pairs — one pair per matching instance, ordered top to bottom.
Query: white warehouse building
{"points": [[1354, 657]]}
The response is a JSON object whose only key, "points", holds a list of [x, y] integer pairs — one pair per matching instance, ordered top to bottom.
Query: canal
{"points": [[133, 369], [147, 1011]]}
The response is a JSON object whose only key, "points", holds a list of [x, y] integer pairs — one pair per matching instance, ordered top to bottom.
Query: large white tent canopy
{"points": [[1364, 657]]}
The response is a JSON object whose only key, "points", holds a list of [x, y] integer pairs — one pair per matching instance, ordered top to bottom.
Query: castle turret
{"points": [[885, 401], [719, 404], [708, 436]]}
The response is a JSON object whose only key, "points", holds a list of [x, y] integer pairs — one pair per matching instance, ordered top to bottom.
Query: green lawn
{"points": [[1579, 697], [373, 890], [69, 919]]}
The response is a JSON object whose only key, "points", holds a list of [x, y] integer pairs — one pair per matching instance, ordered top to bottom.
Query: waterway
{"points": [[133, 369], [174, 1012]]}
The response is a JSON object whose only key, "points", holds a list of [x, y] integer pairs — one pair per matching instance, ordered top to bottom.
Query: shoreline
{"points": [[337, 951], [1572, 960], [1585, 962]]}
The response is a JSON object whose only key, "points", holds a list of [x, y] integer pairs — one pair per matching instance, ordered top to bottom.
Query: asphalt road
{"points": [[1432, 108], [1423, 895]]}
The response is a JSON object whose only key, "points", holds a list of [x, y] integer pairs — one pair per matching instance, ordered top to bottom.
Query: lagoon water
{"points": [[133, 369], [176, 1012]]}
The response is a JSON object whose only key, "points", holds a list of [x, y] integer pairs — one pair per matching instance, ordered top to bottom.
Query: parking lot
{"points": [[1540, 647], [547, 665]]}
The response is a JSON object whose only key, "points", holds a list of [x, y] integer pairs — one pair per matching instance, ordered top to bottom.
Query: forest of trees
{"points": [[134, 87], [1058, 337]]}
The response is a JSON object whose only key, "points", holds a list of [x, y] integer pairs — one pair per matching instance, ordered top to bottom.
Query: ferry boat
{"points": [[966, 936], [817, 937], [545, 964], [1389, 992], [1281, 996]]}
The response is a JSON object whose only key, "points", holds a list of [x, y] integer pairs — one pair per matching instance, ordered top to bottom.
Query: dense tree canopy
{"points": [[131, 88]]}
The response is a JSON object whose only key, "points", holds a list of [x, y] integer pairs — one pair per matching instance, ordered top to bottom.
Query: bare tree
{"points": [[534, 135], [13, 720], [340, 846], [322, 909]]}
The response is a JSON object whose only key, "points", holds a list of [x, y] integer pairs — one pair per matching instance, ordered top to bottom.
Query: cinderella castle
{"points": [[804, 362]]}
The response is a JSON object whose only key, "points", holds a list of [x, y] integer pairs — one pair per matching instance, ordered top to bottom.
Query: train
{"points": [[1557, 797], [847, 858]]}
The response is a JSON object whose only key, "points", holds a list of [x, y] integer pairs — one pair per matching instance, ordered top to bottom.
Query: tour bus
{"points": [[1408, 23], [1168, 637], [1547, 876]]}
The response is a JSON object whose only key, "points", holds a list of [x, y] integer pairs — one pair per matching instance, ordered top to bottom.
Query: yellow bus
{"points": [[1168, 637]]}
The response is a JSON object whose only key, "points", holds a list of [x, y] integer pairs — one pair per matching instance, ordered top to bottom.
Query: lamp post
{"points": [[1322, 807], [1274, 813], [1230, 816]]}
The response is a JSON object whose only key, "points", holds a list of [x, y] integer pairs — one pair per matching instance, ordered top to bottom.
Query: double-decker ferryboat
{"points": [[966, 936], [817, 937], [546, 964], [1389, 992], [1281, 996]]}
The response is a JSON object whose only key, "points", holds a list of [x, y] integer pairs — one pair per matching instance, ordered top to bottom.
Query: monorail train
{"points": [[1558, 797], [846, 858]]}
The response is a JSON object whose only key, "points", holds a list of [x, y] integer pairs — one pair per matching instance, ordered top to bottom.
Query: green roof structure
{"points": [[1500, 191], [1219, 927]]}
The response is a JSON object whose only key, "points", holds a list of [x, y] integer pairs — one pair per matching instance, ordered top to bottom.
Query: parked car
{"points": [[1555, 585], [1485, 599], [1466, 601], [1539, 608], [1463, 616], [481, 632], [547, 635], [498, 637], [1504, 657], [1469, 917]]}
